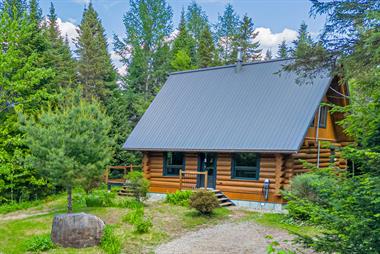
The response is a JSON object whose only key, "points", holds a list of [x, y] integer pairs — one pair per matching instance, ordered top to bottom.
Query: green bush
{"points": [[138, 184], [100, 198], [181, 198], [204, 201], [134, 216], [110, 242], [40, 243]]}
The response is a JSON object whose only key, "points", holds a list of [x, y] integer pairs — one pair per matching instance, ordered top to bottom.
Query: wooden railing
{"points": [[188, 179], [119, 180]]}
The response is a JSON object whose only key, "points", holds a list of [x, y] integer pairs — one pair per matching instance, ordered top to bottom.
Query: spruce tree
{"points": [[196, 21], [227, 31], [246, 40], [303, 42], [183, 48], [145, 50], [282, 50], [206, 51], [59, 54], [268, 55], [95, 70], [24, 88]]}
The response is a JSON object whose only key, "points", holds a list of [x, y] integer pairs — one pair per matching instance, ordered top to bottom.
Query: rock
{"points": [[77, 230]]}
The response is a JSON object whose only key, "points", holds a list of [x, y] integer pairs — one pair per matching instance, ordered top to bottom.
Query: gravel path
{"points": [[245, 237]]}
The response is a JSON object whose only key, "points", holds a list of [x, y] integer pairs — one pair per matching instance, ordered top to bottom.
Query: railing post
{"points": [[131, 167], [106, 175], [180, 179], [206, 180]]}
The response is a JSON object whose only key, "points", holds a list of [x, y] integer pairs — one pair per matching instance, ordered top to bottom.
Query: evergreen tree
{"points": [[196, 21], [227, 31], [246, 40], [303, 42], [183, 47], [145, 50], [282, 50], [206, 51], [59, 54], [268, 55], [95, 70], [24, 87]]}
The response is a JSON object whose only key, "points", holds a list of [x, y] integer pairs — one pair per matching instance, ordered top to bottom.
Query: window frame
{"points": [[323, 114], [166, 166], [233, 168]]}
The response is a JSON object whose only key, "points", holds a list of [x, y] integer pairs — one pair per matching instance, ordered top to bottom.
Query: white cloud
{"points": [[82, 1], [68, 28], [270, 40]]}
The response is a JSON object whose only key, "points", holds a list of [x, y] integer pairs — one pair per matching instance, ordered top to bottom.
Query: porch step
{"points": [[125, 190], [223, 199]]}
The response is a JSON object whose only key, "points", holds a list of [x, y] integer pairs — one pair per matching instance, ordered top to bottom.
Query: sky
{"points": [[275, 20]]}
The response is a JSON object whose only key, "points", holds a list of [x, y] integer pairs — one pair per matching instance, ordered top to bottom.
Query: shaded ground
{"points": [[243, 237]]}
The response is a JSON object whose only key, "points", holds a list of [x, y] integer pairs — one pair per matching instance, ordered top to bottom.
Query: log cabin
{"points": [[242, 129]]}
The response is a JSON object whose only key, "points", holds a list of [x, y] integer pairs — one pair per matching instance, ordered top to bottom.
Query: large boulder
{"points": [[77, 230]]}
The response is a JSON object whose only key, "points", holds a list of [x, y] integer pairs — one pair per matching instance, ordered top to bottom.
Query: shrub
{"points": [[138, 184], [100, 198], [181, 198], [204, 201], [129, 203], [133, 216], [110, 242], [40, 243]]}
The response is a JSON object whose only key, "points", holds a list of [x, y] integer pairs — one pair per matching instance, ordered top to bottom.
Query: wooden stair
{"points": [[125, 190], [223, 199]]}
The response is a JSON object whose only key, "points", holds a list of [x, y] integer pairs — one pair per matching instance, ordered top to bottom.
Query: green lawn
{"points": [[169, 221]]}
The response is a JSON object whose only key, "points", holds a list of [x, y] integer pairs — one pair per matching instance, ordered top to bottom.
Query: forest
{"points": [[53, 100]]}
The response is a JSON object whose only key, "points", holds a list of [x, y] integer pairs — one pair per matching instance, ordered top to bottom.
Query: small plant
{"points": [[138, 184], [100, 198], [181, 198], [204, 201], [137, 219], [143, 225], [110, 242], [40, 243], [275, 248]]}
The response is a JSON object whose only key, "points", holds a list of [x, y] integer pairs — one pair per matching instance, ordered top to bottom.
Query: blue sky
{"points": [[274, 19]]}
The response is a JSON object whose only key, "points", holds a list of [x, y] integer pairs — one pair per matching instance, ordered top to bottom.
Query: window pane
{"points": [[323, 117], [174, 159], [246, 160], [172, 171], [246, 173]]}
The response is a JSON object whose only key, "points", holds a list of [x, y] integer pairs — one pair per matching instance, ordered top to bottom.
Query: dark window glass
{"points": [[323, 117], [312, 123], [173, 162], [246, 166]]}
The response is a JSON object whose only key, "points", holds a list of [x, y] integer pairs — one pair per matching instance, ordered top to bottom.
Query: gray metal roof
{"points": [[217, 109]]}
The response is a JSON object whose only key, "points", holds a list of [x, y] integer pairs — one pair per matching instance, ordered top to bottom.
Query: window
{"points": [[323, 117], [312, 123], [173, 162], [246, 166]]}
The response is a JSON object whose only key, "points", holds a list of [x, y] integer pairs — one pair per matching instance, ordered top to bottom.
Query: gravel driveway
{"points": [[245, 237]]}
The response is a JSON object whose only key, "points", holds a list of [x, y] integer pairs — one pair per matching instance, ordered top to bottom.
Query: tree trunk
{"points": [[69, 200]]}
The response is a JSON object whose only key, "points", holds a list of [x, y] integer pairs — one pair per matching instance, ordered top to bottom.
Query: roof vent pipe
{"points": [[239, 60]]}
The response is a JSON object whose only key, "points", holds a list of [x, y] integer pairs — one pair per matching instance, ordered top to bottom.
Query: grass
{"points": [[169, 221]]}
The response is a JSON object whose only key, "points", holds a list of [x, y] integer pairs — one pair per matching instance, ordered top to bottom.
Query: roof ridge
{"points": [[231, 65]]}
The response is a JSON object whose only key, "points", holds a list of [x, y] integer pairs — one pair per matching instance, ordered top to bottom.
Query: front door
{"points": [[207, 163]]}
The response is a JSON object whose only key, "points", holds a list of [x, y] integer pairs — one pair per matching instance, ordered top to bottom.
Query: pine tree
{"points": [[196, 21], [227, 31], [246, 40], [144, 50], [282, 50], [206, 51], [59, 54], [268, 55], [95, 70], [24, 88]]}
